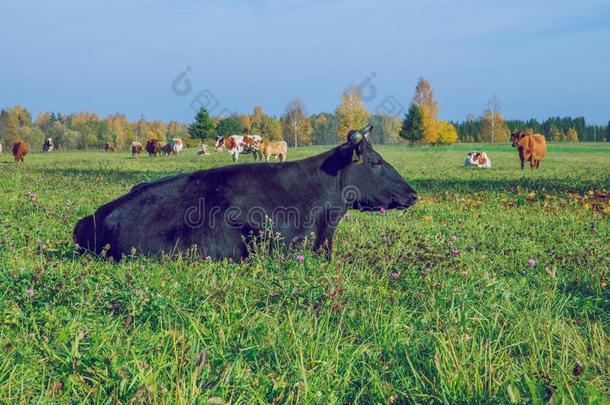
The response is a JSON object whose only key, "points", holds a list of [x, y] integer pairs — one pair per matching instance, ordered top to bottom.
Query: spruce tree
{"points": [[413, 124], [203, 126], [229, 126]]}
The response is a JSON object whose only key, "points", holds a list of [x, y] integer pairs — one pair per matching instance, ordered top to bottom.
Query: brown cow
{"points": [[109, 147], [153, 147], [531, 147], [20, 149], [278, 149]]}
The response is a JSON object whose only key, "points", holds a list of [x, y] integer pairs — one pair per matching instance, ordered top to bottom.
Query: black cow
{"points": [[220, 211]]}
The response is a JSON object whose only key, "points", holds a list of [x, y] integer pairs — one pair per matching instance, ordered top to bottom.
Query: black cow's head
{"points": [[515, 137], [369, 182]]}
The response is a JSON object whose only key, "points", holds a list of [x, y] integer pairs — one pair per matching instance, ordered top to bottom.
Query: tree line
{"points": [[419, 125]]}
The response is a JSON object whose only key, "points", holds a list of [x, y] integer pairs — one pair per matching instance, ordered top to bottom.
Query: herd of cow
{"points": [[234, 144], [531, 148]]}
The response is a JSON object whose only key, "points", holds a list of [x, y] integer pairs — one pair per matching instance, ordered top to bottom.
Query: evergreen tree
{"points": [[413, 124], [203, 126], [229, 126], [608, 132]]}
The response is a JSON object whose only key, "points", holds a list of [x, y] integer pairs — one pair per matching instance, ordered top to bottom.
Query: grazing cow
{"points": [[236, 144], [48, 145], [176, 145], [109, 147], [153, 147], [531, 147], [0, 149], [20, 149], [136, 149], [167, 149], [275, 149], [203, 150], [478, 160], [220, 212]]}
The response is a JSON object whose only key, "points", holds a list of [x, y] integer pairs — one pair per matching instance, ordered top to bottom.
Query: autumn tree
{"points": [[425, 101], [351, 112], [22, 116], [256, 119], [244, 120], [390, 125], [413, 125], [203, 126], [229, 126], [269, 128], [493, 128], [141, 129], [297, 129], [11, 133], [447, 134], [556, 134], [572, 135]]}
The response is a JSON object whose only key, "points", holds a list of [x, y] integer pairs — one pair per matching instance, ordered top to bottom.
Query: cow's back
{"points": [[537, 146], [20, 149]]}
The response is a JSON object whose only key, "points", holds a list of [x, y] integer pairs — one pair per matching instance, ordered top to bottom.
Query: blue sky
{"points": [[540, 58]]}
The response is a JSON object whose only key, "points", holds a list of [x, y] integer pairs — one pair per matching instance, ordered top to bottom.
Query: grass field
{"points": [[495, 287]]}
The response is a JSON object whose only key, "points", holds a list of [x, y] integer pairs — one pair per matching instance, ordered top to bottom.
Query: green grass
{"points": [[463, 318]]}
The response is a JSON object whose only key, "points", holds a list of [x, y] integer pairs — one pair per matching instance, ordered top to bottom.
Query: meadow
{"points": [[493, 288]]}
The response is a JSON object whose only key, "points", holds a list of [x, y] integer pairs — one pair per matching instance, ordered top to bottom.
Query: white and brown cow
{"points": [[236, 144], [48, 145], [176, 145], [136, 149], [478, 160]]}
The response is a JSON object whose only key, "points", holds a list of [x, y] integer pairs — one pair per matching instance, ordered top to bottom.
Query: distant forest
{"points": [[419, 125]]}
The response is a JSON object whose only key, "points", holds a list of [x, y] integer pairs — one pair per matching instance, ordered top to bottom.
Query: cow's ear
{"points": [[355, 140]]}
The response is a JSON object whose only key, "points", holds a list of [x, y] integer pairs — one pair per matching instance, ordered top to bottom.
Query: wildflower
{"points": [[32, 196], [69, 203], [382, 210], [346, 216], [428, 218], [453, 238], [38, 241], [76, 245], [456, 252], [208, 258], [300, 258], [532, 262], [141, 267], [394, 275], [29, 292]]}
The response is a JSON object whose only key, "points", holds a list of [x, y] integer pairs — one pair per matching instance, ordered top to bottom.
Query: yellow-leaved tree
{"points": [[424, 99], [351, 112], [493, 128], [447, 134], [572, 135]]}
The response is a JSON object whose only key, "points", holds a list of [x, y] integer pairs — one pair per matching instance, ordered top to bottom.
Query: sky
{"points": [[163, 58]]}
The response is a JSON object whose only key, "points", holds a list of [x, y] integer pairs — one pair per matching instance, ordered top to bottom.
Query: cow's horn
{"points": [[367, 129], [355, 137]]}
